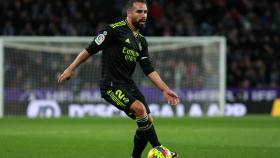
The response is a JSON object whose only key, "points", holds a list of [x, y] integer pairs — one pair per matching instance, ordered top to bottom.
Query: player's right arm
{"points": [[100, 42], [69, 71]]}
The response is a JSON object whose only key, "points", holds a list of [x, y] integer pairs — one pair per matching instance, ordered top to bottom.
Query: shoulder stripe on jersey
{"points": [[117, 24]]}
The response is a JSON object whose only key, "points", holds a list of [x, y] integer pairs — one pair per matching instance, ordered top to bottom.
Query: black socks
{"points": [[147, 130], [144, 134], [140, 143]]}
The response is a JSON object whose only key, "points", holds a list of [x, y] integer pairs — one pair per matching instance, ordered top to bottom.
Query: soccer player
{"points": [[123, 46]]}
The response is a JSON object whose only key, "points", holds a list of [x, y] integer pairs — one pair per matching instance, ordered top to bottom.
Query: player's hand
{"points": [[66, 75], [171, 97]]}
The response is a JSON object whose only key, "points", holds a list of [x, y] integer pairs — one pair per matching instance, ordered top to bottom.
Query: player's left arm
{"points": [[145, 63], [171, 97]]}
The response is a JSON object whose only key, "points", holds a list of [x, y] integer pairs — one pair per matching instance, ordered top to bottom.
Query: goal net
{"points": [[194, 67]]}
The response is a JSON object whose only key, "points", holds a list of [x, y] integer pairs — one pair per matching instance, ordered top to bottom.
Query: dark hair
{"points": [[130, 3]]}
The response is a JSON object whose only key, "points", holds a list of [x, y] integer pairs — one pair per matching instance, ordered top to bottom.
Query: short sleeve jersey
{"points": [[121, 50]]}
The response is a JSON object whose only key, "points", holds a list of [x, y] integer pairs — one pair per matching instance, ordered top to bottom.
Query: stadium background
{"points": [[252, 32]]}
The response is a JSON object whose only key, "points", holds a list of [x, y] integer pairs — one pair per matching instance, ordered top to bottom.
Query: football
{"points": [[159, 152]]}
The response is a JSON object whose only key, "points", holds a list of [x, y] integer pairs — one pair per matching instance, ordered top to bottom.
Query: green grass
{"points": [[247, 137]]}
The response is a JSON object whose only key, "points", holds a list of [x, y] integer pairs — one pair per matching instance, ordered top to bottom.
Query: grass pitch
{"points": [[246, 137]]}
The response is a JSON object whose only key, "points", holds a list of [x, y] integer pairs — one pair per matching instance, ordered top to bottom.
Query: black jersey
{"points": [[121, 51]]}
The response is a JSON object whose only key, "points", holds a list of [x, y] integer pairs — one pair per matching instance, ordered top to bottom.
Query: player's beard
{"points": [[137, 24]]}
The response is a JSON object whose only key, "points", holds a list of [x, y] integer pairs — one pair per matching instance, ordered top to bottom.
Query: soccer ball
{"points": [[159, 152]]}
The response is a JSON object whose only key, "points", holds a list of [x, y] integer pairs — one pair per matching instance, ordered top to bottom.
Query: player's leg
{"points": [[111, 95], [136, 110], [145, 126], [142, 137], [140, 142], [138, 147]]}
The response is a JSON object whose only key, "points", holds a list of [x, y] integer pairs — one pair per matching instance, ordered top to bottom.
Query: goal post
{"points": [[205, 42], [195, 67], [1, 78]]}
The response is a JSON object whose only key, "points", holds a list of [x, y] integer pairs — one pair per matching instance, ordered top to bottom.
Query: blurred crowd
{"points": [[252, 28]]}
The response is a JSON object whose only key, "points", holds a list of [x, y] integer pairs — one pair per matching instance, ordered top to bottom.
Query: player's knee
{"points": [[138, 108], [150, 118]]}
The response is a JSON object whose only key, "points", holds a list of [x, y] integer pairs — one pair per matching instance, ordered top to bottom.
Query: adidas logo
{"points": [[127, 40]]}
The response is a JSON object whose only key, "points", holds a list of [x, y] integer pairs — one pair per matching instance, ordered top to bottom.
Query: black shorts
{"points": [[122, 96]]}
